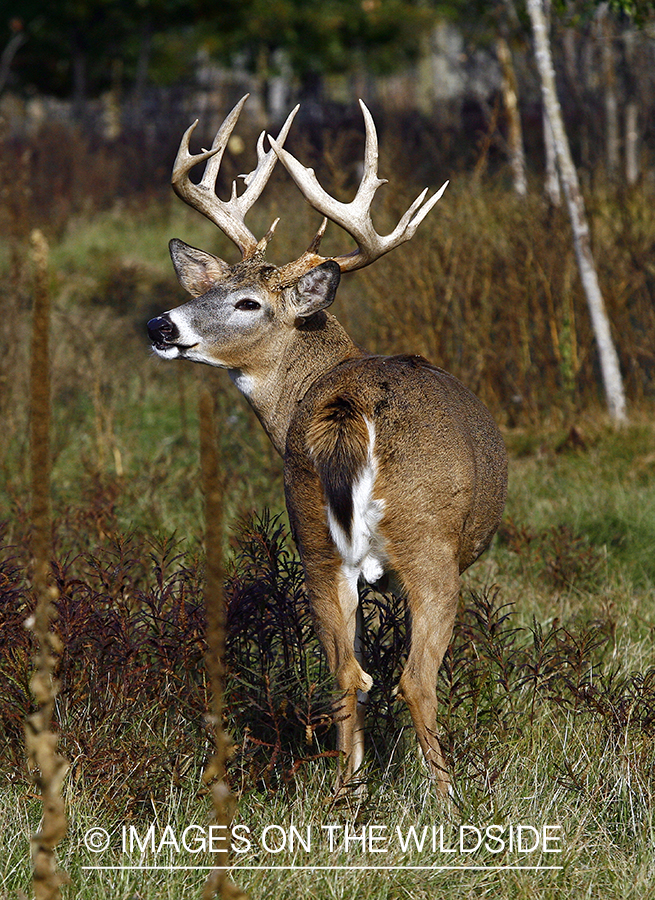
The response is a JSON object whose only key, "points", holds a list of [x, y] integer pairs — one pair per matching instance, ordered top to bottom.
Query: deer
{"points": [[391, 465]]}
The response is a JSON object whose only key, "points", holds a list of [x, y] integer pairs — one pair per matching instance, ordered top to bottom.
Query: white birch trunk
{"points": [[551, 182], [609, 361]]}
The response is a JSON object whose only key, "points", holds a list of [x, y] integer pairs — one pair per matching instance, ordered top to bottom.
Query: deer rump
{"points": [[410, 465]]}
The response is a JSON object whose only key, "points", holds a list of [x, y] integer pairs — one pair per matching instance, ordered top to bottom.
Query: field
{"points": [[548, 690]]}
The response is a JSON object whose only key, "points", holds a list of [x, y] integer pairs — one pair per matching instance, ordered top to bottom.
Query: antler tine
{"points": [[219, 144], [256, 180], [370, 181], [227, 215], [355, 217], [412, 219]]}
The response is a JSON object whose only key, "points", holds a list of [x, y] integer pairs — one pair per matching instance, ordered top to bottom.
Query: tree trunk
{"points": [[12, 48], [143, 62], [630, 67], [79, 81], [586, 113], [514, 131], [612, 139], [631, 143], [551, 182], [609, 362]]}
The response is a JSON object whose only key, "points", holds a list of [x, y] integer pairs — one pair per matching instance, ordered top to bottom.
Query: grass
{"points": [[601, 492], [547, 693], [535, 762], [605, 837]]}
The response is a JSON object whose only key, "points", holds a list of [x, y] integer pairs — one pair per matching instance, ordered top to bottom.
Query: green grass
{"points": [[602, 496], [604, 826]]}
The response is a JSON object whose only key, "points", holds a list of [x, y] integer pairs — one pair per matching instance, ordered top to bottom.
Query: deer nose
{"points": [[162, 331]]}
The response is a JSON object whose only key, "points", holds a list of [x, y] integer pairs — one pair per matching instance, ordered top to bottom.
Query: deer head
{"points": [[245, 313]]}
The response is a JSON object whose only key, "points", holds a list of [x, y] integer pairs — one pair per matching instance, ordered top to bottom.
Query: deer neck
{"points": [[276, 382]]}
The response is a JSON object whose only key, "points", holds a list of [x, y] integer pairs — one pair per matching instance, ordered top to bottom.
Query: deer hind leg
{"points": [[433, 605], [336, 614], [357, 755]]}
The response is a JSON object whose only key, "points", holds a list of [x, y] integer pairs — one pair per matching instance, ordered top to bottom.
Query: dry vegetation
{"points": [[548, 690]]}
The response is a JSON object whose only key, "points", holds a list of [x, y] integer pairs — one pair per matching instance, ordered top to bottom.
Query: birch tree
{"points": [[551, 181], [609, 361]]}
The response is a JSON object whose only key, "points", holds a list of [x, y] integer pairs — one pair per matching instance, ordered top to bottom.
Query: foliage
{"points": [[638, 12], [320, 37], [92, 45], [88, 46]]}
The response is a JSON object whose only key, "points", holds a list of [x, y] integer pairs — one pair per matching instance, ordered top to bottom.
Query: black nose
{"points": [[162, 331]]}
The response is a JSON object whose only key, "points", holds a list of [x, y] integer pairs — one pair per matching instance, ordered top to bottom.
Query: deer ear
{"points": [[196, 270], [316, 289]]}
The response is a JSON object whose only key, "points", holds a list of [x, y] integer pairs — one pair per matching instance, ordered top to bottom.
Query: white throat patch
{"points": [[245, 383]]}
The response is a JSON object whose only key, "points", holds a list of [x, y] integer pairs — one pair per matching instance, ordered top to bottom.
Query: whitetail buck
{"points": [[390, 464]]}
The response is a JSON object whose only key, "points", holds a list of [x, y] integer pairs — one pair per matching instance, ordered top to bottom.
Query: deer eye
{"points": [[247, 305]]}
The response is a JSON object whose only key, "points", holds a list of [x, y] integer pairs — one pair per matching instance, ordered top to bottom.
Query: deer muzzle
{"points": [[163, 332]]}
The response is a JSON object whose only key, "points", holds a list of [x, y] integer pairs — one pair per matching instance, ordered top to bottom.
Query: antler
{"points": [[228, 215], [354, 217]]}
